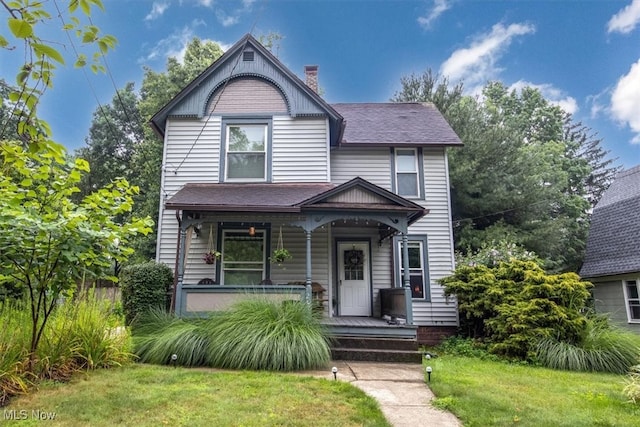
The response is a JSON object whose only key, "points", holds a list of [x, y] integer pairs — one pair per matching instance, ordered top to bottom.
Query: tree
{"points": [[25, 18], [115, 134], [527, 173], [51, 243]]}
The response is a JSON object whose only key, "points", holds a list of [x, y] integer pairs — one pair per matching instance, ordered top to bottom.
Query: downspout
{"points": [[175, 270], [406, 281]]}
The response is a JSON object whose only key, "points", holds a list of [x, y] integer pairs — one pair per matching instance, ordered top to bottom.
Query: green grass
{"points": [[495, 393], [146, 395]]}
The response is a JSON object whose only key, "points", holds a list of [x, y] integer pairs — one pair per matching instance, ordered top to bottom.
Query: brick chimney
{"points": [[311, 77]]}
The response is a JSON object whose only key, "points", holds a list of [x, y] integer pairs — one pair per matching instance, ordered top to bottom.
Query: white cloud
{"points": [[206, 3], [439, 7], [157, 10], [626, 19], [226, 20], [174, 45], [477, 63], [551, 93], [625, 101], [598, 103]]}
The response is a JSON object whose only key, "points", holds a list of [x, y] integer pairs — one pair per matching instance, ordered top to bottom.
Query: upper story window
{"points": [[246, 151], [408, 178], [632, 299]]}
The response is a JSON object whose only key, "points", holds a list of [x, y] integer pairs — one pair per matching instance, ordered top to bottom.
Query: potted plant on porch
{"points": [[280, 254], [211, 255]]}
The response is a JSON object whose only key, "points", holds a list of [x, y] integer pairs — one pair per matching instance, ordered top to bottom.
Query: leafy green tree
{"points": [[25, 19], [114, 136], [527, 172], [51, 243]]}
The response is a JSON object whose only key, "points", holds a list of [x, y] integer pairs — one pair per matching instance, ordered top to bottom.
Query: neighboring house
{"points": [[255, 160], [612, 260]]}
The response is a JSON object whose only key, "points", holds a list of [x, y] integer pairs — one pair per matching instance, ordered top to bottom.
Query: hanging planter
{"points": [[280, 254], [211, 255]]}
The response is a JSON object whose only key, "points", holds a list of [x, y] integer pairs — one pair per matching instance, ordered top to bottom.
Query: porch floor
{"points": [[368, 327]]}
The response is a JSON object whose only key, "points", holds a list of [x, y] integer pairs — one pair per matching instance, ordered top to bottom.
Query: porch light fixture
{"points": [[252, 231], [334, 370], [429, 370]]}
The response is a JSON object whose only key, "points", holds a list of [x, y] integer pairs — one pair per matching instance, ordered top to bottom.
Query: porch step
{"points": [[375, 349]]}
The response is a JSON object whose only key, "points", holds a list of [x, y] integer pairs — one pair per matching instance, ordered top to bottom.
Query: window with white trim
{"points": [[246, 150], [407, 183], [243, 257], [418, 266], [632, 299]]}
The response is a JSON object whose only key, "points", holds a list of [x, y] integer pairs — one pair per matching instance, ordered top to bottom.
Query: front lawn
{"points": [[492, 393], [146, 395]]}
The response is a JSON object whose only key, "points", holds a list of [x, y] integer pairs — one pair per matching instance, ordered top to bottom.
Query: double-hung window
{"points": [[246, 152], [408, 177], [243, 257], [418, 266], [632, 299]]}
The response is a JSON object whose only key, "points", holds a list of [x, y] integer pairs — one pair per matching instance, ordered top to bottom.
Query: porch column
{"points": [[180, 272], [308, 273], [406, 281]]}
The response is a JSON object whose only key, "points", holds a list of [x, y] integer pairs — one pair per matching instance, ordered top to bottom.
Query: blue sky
{"points": [[584, 55]]}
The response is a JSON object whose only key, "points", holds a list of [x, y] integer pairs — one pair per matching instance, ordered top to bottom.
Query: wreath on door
{"points": [[353, 258]]}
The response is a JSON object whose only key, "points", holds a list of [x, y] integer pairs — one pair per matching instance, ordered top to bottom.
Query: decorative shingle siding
{"points": [[247, 96]]}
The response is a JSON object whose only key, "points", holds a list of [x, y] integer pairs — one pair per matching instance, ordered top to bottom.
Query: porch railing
{"points": [[201, 299], [394, 302]]}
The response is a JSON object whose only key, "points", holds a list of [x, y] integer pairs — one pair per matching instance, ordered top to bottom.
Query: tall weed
{"points": [[13, 350], [632, 385]]}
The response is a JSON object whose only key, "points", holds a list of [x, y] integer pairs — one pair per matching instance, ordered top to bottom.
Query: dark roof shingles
{"points": [[403, 123], [613, 245]]}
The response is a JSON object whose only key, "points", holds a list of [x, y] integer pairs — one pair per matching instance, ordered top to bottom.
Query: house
{"points": [[358, 194], [612, 260]]}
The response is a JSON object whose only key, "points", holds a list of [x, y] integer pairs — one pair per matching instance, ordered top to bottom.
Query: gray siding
{"points": [[300, 149], [374, 165], [608, 296]]}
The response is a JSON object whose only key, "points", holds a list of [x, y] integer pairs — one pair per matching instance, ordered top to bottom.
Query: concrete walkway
{"points": [[399, 388]]}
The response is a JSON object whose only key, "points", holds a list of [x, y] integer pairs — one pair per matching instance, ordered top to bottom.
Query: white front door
{"points": [[353, 279]]}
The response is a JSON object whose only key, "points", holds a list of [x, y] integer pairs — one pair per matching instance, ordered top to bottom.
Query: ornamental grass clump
{"points": [[159, 335], [266, 335], [601, 348]]}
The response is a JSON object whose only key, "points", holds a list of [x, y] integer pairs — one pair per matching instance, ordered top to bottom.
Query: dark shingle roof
{"points": [[395, 124], [245, 197], [613, 246]]}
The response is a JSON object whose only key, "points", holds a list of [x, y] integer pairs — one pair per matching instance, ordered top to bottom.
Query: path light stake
{"points": [[174, 358], [429, 370], [335, 373]]}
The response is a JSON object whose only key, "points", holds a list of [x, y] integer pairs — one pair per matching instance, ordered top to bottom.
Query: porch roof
{"points": [[356, 195]]}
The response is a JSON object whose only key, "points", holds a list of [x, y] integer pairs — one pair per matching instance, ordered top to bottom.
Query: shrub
{"points": [[144, 287], [512, 305], [466, 347], [601, 348], [632, 385]]}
